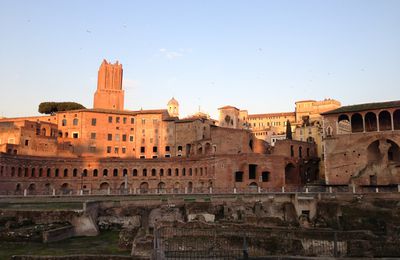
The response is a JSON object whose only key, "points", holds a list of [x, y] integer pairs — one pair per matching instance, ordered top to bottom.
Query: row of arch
{"points": [[371, 122], [32, 172]]}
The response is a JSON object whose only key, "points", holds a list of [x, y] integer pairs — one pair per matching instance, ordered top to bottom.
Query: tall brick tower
{"points": [[109, 93]]}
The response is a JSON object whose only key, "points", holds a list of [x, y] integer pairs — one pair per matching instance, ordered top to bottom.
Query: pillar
{"points": [[283, 189], [234, 190], [25, 192], [54, 192]]}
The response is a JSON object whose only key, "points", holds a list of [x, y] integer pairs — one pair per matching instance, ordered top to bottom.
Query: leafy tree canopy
{"points": [[53, 107]]}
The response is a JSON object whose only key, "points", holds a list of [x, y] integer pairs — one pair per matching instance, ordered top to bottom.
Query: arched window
{"points": [[75, 121], [385, 121], [64, 122], [371, 122], [357, 123], [65, 172], [75, 172], [95, 172], [105, 172], [125, 172], [134, 172], [153, 172], [161, 172], [169, 172], [176, 172], [115, 173], [144, 173], [84, 174]]}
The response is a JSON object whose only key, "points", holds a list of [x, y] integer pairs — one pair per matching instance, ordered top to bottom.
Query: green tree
{"points": [[53, 107], [288, 130]]}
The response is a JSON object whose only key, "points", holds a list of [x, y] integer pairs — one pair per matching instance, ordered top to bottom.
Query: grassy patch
{"points": [[105, 243]]}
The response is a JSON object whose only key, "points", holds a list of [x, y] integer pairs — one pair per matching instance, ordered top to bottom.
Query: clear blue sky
{"points": [[256, 55]]}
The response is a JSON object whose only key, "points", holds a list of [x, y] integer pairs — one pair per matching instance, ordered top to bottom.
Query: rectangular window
{"points": [[110, 119], [117, 119], [124, 120], [132, 120], [94, 121], [143, 121], [75, 135], [92, 135], [109, 137], [116, 137], [124, 138], [131, 138], [26, 142], [92, 149], [108, 149], [123, 149], [142, 149], [154, 149], [167, 149], [116, 150], [154, 156], [167, 156], [142, 157], [252, 171], [238, 176], [265, 176]]}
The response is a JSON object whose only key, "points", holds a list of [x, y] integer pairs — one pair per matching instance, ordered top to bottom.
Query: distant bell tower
{"points": [[109, 93], [173, 108]]}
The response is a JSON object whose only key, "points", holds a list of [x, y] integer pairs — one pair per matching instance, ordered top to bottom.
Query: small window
{"points": [[110, 119], [117, 119], [124, 120], [132, 120], [75, 121], [94, 121], [143, 121], [64, 122], [75, 135], [92, 135], [109, 137], [117, 137], [123, 138], [131, 138], [26, 142], [180, 148], [92, 149], [108, 149], [123, 149], [142, 149], [154, 149], [167, 149], [116, 150], [167, 156], [142, 157], [155, 157], [95, 172], [105, 172], [134, 172], [144, 172], [153, 172], [115, 173], [238, 176], [265, 176]]}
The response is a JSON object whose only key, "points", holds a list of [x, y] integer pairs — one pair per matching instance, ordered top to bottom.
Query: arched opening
{"points": [[396, 119], [75, 121], [385, 121], [357, 123], [371, 123], [343, 124], [44, 131], [208, 148], [199, 149], [291, 151], [300, 152], [373, 152], [393, 152], [12, 171], [65, 172], [75, 172], [105, 172], [115, 172], [125, 172], [134, 172], [153, 172], [169, 172], [176, 172], [84, 173], [95, 173], [291, 176], [104, 186], [123, 187], [144, 187], [161, 187], [177, 187], [190, 187], [253, 187], [18, 188], [32, 188], [47, 188], [65, 188]]}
